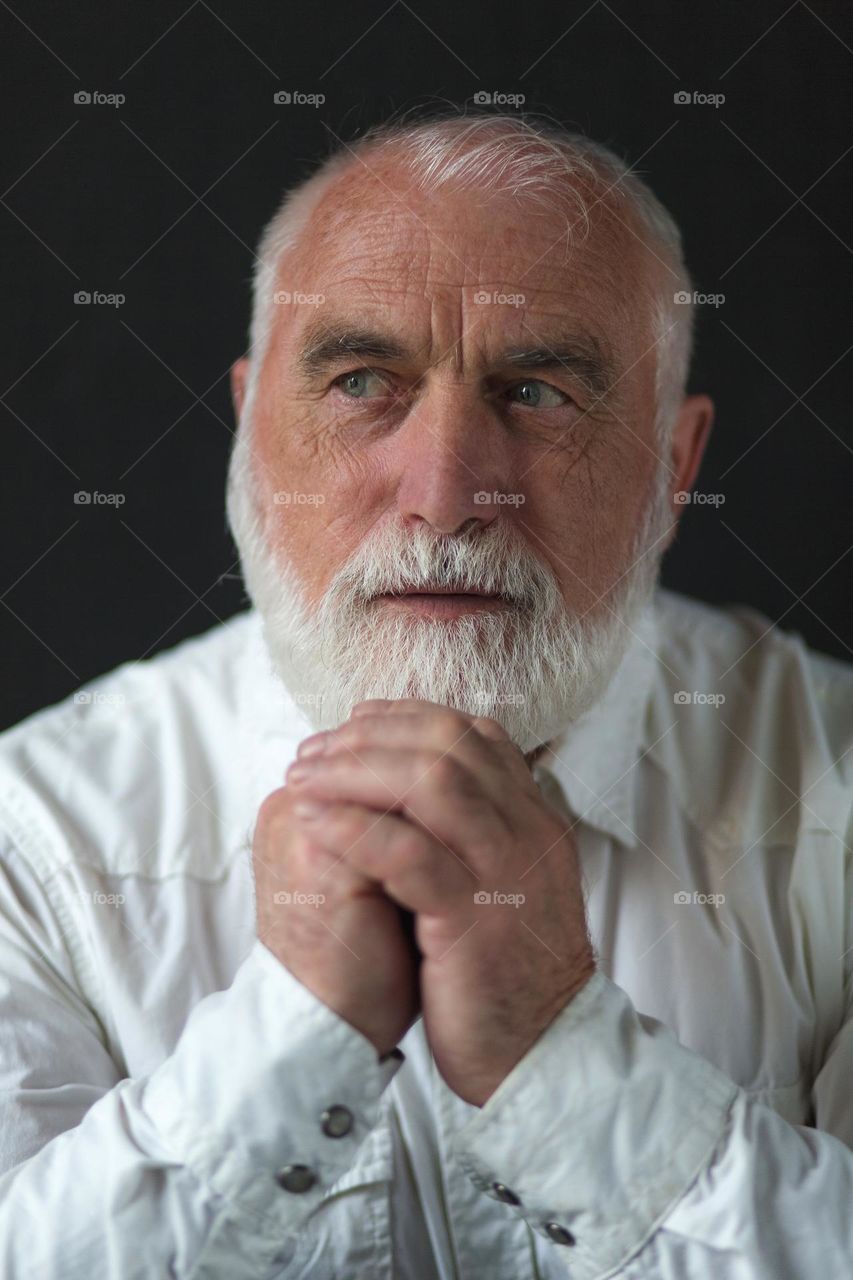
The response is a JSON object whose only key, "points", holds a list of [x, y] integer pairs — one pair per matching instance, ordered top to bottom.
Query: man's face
{"points": [[470, 405], [570, 449]]}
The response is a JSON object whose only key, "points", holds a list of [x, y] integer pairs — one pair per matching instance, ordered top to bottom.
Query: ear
{"points": [[239, 378], [689, 437]]}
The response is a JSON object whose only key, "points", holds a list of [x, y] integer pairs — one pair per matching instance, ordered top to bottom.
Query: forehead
{"points": [[373, 234]]}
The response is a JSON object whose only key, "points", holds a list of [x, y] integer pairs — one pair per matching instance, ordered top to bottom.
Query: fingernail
{"points": [[311, 746], [309, 809]]}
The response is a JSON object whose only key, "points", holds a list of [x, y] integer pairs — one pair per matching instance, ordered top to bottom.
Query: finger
{"points": [[390, 704], [489, 727], [443, 731], [436, 791], [413, 868]]}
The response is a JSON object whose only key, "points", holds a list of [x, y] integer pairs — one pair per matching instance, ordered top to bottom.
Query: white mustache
{"points": [[495, 564]]}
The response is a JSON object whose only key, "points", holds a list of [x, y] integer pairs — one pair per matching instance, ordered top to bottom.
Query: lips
{"points": [[444, 591]]}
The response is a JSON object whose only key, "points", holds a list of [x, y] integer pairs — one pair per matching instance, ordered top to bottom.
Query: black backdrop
{"points": [[160, 198]]}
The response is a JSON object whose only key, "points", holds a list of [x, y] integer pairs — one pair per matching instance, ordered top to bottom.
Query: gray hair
{"points": [[531, 159]]}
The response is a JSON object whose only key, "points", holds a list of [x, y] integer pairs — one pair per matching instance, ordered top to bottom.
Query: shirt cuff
{"points": [[243, 1095], [599, 1130]]}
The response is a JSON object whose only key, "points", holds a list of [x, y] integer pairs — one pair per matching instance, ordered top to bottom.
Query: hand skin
{"points": [[431, 807], [351, 948]]}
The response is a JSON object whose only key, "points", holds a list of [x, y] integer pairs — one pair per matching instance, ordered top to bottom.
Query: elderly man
{"points": [[470, 907]]}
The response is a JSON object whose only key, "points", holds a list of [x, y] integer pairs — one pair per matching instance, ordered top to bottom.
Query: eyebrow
{"points": [[580, 355]]}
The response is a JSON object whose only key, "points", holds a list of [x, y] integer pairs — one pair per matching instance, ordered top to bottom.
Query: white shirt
{"points": [[688, 1114]]}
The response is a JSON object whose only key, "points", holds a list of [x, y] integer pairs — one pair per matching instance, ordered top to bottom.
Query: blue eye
{"points": [[353, 384], [536, 393]]}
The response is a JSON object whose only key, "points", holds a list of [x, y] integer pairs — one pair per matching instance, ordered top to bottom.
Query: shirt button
{"points": [[336, 1121], [296, 1177], [504, 1193], [559, 1234]]}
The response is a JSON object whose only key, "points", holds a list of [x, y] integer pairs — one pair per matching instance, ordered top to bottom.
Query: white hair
{"points": [[532, 160], [540, 665]]}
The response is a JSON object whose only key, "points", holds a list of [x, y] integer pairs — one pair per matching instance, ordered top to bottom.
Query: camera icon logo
{"points": [[82, 97], [282, 97], [482, 98], [681, 98], [82, 298], [682, 298], [682, 697], [481, 897], [681, 899]]}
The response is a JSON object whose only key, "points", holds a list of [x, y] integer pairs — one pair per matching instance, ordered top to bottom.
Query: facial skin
{"points": [[431, 430]]}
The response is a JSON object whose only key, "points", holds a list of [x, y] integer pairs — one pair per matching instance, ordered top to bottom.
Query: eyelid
{"points": [[363, 368], [386, 379], [519, 382]]}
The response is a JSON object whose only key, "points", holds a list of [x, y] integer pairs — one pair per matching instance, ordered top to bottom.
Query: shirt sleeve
{"points": [[640, 1159], [180, 1172]]}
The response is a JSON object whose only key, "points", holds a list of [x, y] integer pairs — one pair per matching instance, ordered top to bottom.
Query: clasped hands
{"points": [[417, 806]]}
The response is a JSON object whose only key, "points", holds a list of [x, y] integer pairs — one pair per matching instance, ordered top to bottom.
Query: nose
{"points": [[450, 461]]}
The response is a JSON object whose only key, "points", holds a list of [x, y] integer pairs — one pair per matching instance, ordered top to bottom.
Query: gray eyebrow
{"points": [[335, 343], [327, 346], [582, 357]]}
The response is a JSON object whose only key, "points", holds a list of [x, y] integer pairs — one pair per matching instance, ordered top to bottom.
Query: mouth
{"points": [[444, 601]]}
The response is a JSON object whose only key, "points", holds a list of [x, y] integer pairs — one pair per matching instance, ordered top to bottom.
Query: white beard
{"points": [[535, 668]]}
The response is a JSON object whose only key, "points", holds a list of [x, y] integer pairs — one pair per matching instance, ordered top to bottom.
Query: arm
{"points": [[654, 1161], [173, 1173]]}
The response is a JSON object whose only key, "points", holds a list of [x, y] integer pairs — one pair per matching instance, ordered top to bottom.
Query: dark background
{"points": [[162, 199]]}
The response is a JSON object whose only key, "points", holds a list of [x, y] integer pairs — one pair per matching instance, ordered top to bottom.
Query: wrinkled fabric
{"points": [[688, 1114]]}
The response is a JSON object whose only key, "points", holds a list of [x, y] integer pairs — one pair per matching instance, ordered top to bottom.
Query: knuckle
{"points": [[452, 726], [491, 728], [351, 735], [438, 772], [272, 807], [272, 819], [341, 826], [410, 845]]}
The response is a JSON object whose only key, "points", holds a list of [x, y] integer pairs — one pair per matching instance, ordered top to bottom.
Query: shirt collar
{"points": [[594, 759]]}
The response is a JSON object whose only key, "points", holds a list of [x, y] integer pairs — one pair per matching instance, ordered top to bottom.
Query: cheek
{"points": [[325, 510], [586, 515]]}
